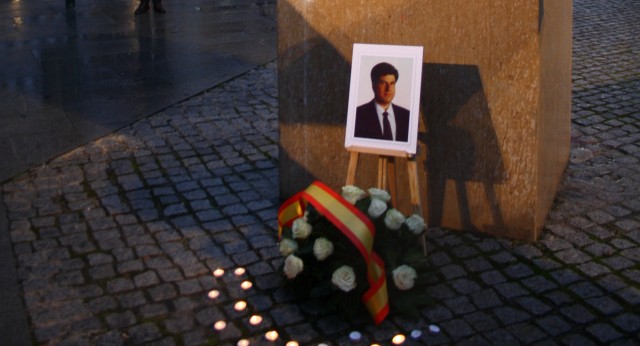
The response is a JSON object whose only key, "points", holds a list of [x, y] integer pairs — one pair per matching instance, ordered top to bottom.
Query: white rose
{"points": [[353, 193], [379, 194], [377, 207], [394, 219], [415, 223], [301, 228], [288, 246], [322, 248], [293, 266], [404, 277], [344, 278]]}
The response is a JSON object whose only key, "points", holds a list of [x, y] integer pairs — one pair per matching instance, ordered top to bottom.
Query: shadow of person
{"points": [[153, 67], [62, 68], [462, 142]]}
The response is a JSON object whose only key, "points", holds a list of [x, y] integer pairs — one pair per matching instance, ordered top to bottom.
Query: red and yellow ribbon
{"points": [[354, 225]]}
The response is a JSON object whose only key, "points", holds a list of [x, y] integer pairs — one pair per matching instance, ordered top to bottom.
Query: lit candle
{"points": [[239, 271], [218, 272], [246, 285], [213, 294], [240, 305], [255, 320], [220, 325], [271, 335], [398, 339], [243, 342], [292, 343]]}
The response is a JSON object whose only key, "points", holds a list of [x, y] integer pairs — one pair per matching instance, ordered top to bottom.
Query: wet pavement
{"points": [[73, 74], [116, 241]]}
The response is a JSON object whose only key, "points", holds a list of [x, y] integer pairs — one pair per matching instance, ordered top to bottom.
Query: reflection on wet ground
{"points": [[71, 74]]}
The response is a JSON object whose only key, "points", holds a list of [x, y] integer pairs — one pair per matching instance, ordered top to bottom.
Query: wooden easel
{"points": [[387, 176]]}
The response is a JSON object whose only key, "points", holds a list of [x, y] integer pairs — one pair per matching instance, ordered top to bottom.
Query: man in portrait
{"points": [[380, 118]]}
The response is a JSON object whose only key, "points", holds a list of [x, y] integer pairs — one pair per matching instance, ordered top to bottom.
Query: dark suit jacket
{"points": [[368, 125]]}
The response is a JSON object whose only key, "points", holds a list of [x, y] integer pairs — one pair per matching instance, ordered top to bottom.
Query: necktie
{"points": [[386, 130]]}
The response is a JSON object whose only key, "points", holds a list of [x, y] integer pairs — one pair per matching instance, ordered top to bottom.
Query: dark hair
{"points": [[382, 69]]}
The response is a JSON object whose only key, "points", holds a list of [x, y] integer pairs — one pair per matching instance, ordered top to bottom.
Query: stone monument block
{"points": [[495, 103]]}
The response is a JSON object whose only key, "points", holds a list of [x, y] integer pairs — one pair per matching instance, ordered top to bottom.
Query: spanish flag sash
{"points": [[356, 226]]}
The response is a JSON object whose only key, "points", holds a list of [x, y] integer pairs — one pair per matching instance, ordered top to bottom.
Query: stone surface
{"points": [[496, 95]]}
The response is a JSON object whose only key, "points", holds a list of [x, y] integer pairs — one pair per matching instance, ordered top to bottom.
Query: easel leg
{"points": [[353, 167], [412, 171], [382, 173], [391, 180], [387, 181]]}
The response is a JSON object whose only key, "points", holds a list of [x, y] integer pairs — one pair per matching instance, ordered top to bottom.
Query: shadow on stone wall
{"points": [[313, 88], [461, 140]]}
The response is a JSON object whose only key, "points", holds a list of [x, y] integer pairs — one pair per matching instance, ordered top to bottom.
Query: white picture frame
{"points": [[407, 60]]}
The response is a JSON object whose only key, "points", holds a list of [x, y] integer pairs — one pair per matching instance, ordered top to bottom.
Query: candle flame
{"points": [[218, 272], [246, 285], [240, 305], [255, 320], [220, 325], [271, 335], [398, 339]]}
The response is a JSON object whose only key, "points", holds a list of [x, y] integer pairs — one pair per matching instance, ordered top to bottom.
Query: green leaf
{"points": [[363, 205], [287, 233], [305, 249], [390, 257], [413, 258], [422, 279], [323, 289], [422, 298], [332, 302], [349, 303], [404, 304]]}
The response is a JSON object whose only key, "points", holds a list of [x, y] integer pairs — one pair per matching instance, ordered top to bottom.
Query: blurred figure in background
{"points": [[144, 7]]}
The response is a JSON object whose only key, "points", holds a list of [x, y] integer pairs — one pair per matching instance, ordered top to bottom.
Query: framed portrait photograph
{"points": [[384, 98]]}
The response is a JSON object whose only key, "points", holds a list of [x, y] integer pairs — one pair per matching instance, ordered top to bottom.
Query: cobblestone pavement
{"points": [[116, 241]]}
